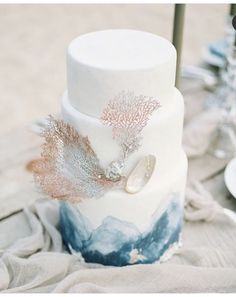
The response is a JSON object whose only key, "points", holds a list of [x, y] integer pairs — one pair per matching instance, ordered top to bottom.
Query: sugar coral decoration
{"points": [[128, 114], [69, 168]]}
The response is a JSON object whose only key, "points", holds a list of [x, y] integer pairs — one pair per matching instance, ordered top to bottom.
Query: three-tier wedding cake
{"points": [[121, 95]]}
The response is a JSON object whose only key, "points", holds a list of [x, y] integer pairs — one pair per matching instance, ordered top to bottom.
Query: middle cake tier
{"points": [[162, 137]]}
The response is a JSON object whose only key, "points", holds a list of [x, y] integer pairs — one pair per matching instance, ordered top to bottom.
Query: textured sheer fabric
{"points": [[33, 259]]}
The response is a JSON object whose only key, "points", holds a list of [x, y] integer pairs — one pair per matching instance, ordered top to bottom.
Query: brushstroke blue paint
{"points": [[112, 242]]}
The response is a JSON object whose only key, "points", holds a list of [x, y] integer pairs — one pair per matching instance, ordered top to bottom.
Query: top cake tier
{"points": [[102, 64]]}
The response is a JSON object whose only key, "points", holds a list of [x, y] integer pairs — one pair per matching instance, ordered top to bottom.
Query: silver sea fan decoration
{"points": [[128, 114], [69, 168]]}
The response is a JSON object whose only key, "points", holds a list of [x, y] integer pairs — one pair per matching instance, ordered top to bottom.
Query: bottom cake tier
{"points": [[113, 240]]}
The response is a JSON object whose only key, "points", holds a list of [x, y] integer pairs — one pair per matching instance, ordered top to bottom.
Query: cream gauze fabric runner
{"points": [[33, 259], [37, 263]]}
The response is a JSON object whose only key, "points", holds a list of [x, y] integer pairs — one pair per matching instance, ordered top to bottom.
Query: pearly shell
{"points": [[141, 174]]}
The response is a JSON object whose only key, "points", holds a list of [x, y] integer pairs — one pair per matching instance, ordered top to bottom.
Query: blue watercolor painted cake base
{"points": [[120, 243]]}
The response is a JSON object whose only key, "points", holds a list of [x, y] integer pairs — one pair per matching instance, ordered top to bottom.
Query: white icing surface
{"points": [[121, 49], [101, 64], [161, 137], [137, 208]]}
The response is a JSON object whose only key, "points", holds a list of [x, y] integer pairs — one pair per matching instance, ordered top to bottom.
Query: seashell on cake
{"points": [[141, 174]]}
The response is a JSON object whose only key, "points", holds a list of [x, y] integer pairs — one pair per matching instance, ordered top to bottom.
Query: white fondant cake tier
{"points": [[102, 64], [162, 136], [138, 208]]}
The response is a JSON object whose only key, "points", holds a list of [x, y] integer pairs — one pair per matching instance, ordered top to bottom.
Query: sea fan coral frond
{"points": [[128, 114], [69, 168]]}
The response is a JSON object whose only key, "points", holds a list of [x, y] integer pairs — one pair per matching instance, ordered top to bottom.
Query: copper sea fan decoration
{"points": [[128, 114], [69, 169]]}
